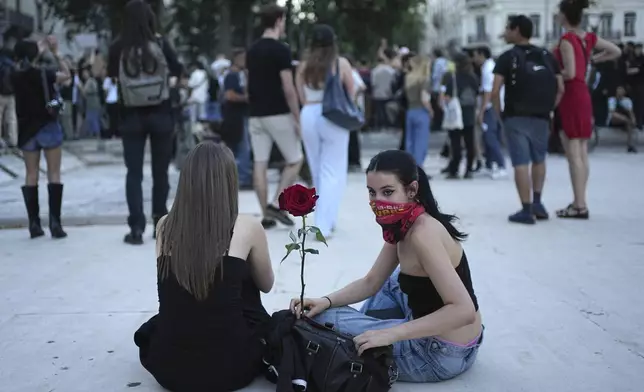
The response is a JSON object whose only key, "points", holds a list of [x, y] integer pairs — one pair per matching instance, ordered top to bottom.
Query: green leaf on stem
{"points": [[300, 232], [318, 234], [292, 236], [290, 248], [312, 251]]}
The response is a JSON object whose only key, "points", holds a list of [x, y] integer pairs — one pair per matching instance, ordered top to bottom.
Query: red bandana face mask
{"points": [[395, 218]]}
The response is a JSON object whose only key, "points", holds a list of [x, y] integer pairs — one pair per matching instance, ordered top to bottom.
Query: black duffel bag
{"points": [[303, 355]]}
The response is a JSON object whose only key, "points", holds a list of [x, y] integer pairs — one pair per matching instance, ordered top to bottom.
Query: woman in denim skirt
{"points": [[37, 109], [419, 293]]}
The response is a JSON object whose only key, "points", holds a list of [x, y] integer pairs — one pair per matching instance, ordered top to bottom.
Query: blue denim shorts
{"points": [[48, 137], [527, 139]]}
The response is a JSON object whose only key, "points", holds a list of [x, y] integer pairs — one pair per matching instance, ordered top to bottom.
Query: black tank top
{"points": [[422, 296], [209, 345]]}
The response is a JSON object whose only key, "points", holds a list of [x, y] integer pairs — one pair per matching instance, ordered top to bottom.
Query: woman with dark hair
{"points": [[575, 52], [141, 62], [465, 84], [38, 106], [326, 144], [211, 265], [419, 293]]}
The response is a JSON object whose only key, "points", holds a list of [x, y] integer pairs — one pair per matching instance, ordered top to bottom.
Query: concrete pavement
{"points": [[560, 300]]}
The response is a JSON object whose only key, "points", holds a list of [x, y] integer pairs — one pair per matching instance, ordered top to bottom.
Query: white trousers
{"points": [[327, 153]]}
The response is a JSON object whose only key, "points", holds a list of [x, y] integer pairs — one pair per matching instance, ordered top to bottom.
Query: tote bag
{"points": [[337, 106], [453, 113]]}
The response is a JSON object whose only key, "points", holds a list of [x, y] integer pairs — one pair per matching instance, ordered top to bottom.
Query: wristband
{"points": [[330, 303]]}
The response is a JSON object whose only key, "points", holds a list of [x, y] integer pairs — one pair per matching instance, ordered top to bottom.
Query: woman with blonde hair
{"points": [[419, 109], [326, 144], [212, 264]]}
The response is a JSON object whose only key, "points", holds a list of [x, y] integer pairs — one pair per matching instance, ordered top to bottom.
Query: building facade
{"points": [[484, 21]]}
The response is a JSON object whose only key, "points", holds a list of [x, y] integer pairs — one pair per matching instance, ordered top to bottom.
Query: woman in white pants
{"points": [[325, 143]]}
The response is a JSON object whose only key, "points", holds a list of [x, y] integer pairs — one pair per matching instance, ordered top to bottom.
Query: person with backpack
{"points": [[142, 61], [533, 88], [576, 109], [8, 121]]}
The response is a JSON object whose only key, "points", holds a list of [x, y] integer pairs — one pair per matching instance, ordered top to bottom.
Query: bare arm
{"points": [[608, 51], [568, 70], [63, 73], [346, 74], [499, 81], [299, 82], [561, 88], [290, 93], [261, 268], [369, 285], [458, 310]]}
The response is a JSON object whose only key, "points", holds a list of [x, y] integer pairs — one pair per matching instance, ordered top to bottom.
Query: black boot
{"points": [[30, 195], [55, 202]]}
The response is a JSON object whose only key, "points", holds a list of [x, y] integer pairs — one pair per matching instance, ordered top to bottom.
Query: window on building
{"points": [[630, 18], [585, 22], [606, 24], [536, 25], [480, 26], [556, 26]]}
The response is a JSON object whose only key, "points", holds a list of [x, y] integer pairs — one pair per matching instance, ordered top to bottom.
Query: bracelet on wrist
{"points": [[330, 302]]}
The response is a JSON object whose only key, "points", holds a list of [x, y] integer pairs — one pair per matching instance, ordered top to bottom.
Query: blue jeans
{"points": [[417, 134], [492, 139], [243, 158], [419, 360]]}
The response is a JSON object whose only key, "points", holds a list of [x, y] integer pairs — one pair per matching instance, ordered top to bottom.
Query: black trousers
{"points": [[638, 104], [114, 115], [381, 119], [437, 120], [136, 128], [457, 138], [354, 149]]}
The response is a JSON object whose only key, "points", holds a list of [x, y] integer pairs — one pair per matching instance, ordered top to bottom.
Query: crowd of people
{"points": [[212, 262]]}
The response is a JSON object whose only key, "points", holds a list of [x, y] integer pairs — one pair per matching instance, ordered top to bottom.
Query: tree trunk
{"points": [[225, 29]]}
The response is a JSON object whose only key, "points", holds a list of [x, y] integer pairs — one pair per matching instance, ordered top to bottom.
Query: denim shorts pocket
{"points": [[448, 360]]}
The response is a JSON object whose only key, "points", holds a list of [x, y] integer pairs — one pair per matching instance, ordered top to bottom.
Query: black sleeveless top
{"points": [[422, 296], [209, 345]]}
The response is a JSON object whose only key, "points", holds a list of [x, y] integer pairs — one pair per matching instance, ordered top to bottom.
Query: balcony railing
{"points": [[478, 3], [611, 35], [478, 39]]}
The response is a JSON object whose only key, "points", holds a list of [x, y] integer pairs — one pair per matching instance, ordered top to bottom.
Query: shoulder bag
{"points": [[337, 106], [453, 117], [303, 355]]}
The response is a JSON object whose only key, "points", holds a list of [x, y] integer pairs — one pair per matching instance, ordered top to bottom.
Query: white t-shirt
{"points": [[487, 78], [200, 86], [111, 90]]}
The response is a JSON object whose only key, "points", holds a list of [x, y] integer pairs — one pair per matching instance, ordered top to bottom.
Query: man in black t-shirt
{"points": [[274, 111], [235, 113], [527, 125]]}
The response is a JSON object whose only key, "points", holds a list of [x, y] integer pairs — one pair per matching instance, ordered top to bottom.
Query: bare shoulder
{"points": [[345, 64], [248, 225], [426, 226]]}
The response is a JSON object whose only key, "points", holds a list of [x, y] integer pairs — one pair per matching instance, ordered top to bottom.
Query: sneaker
{"points": [[631, 150], [498, 174], [468, 175], [452, 176], [539, 211], [279, 215], [522, 217], [268, 223], [135, 237]]}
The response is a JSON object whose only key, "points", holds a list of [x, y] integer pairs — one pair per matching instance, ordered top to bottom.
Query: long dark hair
{"points": [[573, 10], [139, 29], [318, 64], [403, 165], [198, 229]]}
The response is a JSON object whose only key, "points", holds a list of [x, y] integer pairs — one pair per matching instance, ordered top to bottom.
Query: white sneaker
{"points": [[499, 174]]}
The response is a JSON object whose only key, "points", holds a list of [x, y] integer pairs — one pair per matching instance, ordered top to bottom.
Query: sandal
{"points": [[572, 212]]}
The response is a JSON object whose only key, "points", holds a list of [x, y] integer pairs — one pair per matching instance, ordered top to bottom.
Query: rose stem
{"points": [[302, 266]]}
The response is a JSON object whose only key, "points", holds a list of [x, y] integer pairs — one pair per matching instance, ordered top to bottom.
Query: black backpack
{"points": [[6, 70], [533, 82]]}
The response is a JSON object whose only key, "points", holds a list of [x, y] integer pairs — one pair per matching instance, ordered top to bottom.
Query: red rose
{"points": [[298, 200]]}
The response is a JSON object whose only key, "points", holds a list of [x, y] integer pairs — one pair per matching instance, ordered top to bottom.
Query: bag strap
{"points": [[45, 85]]}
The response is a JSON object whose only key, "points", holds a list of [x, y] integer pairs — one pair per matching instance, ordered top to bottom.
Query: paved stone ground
{"points": [[560, 300]]}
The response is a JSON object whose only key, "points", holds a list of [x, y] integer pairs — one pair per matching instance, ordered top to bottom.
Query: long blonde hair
{"points": [[419, 73], [198, 229]]}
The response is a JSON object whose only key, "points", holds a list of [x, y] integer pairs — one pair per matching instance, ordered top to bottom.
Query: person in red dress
{"points": [[575, 52]]}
